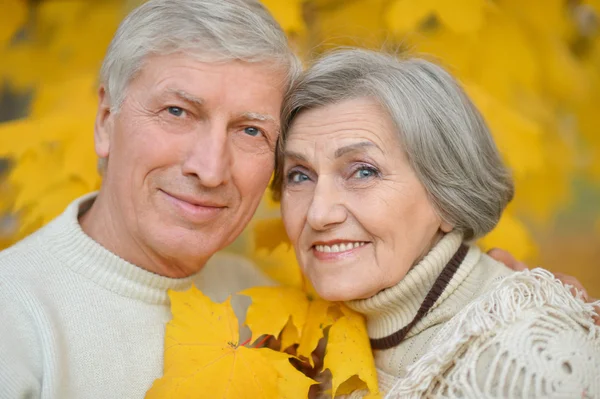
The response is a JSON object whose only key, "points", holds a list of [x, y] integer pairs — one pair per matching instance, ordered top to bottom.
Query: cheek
{"points": [[146, 143], [251, 174], [293, 212], [412, 228]]}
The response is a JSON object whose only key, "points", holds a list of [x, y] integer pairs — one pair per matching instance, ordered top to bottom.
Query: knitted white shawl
{"points": [[528, 337]]}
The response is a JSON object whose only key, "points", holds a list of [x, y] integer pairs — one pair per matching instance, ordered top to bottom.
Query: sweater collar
{"points": [[76, 250], [394, 308]]}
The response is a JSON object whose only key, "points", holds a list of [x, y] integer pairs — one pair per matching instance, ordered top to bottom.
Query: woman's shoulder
{"points": [[528, 336]]}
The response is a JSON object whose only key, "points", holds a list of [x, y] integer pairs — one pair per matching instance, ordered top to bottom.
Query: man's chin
{"points": [[189, 249]]}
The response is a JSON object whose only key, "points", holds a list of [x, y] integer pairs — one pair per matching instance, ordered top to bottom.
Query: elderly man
{"points": [[187, 122]]}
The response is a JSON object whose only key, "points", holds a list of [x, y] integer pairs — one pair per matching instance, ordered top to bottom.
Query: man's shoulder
{"points": [[24, 256]]}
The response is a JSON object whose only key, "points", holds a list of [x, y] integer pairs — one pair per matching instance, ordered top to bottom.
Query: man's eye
{"points": [[175, 111], [252, 131]]}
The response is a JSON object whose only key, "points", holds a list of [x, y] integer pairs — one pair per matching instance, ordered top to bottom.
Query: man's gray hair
{"points": [[213, 30], [446, 140]]}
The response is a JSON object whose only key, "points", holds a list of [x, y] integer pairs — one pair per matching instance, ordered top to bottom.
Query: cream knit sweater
{"points": [[79, 322], [492, 333]]}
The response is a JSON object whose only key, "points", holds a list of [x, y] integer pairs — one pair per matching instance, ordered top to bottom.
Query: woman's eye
{"points": [[175, 111], [252, 131], [365, 173], [297, 177]]}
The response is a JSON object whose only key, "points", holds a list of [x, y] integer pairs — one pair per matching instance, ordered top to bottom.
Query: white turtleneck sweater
{"points": [[80, 322], [492, 333]]}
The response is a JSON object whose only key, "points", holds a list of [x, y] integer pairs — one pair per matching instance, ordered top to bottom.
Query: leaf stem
{"points": [[262, 341], [258, 345]]}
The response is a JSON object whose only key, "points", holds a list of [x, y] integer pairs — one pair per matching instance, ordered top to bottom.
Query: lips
{"points": [[195, 201], [341, 247], [337, 250]]}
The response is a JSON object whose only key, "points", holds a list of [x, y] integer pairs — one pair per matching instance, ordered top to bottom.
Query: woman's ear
{"points": [[104, 124], [446, 227]]}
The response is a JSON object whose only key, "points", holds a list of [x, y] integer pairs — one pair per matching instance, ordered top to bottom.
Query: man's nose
{"points": [[208, 157], [326, 208]]}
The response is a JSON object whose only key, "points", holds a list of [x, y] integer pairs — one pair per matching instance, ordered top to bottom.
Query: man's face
{"points": [[190, 154]]}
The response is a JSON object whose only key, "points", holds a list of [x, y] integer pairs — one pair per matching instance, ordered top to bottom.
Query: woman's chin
{"points": [[336, 291]]}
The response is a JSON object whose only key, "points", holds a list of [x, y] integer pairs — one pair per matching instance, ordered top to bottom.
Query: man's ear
{"points": [[103, 127]]}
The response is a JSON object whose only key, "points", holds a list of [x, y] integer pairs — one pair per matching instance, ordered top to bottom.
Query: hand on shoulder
{"points": [[575, 285]]}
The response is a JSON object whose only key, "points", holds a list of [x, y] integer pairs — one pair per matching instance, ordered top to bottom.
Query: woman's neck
{"points": [[392, 312]]}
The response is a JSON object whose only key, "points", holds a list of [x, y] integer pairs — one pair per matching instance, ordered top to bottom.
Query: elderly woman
{"points": [[387, 173]]}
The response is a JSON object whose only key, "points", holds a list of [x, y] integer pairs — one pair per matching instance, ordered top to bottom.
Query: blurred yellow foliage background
{"points": [[531, 66]]}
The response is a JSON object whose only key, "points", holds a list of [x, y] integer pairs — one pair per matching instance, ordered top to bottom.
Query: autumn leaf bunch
{"points": [[203, 352]]}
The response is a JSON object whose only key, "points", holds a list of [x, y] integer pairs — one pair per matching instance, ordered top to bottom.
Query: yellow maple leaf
{"points": [[287, 13], [406, 15], [460, 16], [545, 16], [12, 17], [352, 23], [60, 41], [444, 47], [505, 77], [75, 95], [519, 138], [51, 157], [40, 165], [7, 195], [54, 197], [269, 234], [272, 252], [273, 307], [302, 319], [289, 335], [348, 354], [203, 355], [289, 383]]}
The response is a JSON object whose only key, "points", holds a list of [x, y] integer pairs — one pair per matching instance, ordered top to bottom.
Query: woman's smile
{"points": [[336, 250]]}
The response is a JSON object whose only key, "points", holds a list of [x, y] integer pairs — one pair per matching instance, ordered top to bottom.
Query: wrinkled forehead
{"points": [[259, 86], [331, 126]]}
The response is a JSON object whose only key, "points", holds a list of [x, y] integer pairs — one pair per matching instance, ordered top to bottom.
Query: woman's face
{"points": [[355, 211]]}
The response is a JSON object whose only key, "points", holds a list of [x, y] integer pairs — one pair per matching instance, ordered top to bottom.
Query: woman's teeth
{"points": [[339, 247]]}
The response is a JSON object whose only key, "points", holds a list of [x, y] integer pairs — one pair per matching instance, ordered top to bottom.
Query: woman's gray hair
{"points": [[213, 30], [446, 140]]}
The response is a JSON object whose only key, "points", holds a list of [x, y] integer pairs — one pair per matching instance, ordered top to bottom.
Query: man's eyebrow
{"points": [[186, 96], [255, 116], [354, 147]]}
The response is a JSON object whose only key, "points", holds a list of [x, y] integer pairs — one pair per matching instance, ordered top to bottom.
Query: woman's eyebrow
{"points": [[354, 147], [294, 155]]}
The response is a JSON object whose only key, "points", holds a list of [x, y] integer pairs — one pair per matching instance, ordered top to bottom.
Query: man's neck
{"points": [[104, 225]]}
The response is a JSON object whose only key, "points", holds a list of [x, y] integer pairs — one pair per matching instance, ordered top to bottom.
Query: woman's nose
{"points": [[326, 208]]}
